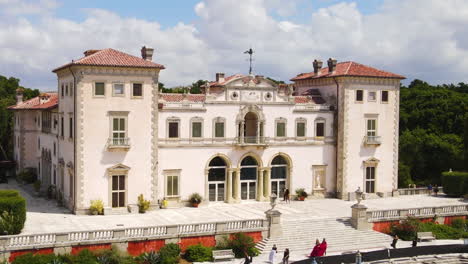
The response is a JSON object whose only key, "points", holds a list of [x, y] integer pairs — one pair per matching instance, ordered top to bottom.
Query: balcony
{"points": [[372, 140], [251, 141], [118, 144]]}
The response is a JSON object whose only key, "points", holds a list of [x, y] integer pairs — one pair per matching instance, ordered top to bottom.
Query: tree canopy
{"points": [[433, 130]]}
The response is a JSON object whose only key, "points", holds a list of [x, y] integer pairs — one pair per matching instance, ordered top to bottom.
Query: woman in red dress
{"points": [[315, 251], [322, 251]]}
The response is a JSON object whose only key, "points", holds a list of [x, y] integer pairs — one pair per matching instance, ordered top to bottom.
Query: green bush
{"points": [[28, 175], [455, 183], [9, 193], [143, 205], [96, 207], [12, 214], [459, 223], [406, 230], [442, 231], [240, 243], [199, 253], [169, 254], [148, 258], [35, 259]]}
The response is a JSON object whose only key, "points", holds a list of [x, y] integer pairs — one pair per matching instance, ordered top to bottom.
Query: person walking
{"points": [[429, 189], [436, 189], [286, 196], [394, 241], [323, 248], [315, 250], [286, 256], [271, 257], [248, 259]]}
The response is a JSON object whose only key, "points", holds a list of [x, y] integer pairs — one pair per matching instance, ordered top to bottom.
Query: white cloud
{"points": [[424, 39]]}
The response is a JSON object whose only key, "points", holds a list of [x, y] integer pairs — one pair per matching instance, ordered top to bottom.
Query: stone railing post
{"points": [[438, 211], [404, 213], [359, 217], [274, 223], [173, 232]]}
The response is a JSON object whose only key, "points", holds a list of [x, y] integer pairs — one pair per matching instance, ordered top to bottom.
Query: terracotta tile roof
{"points": [[112, 58], [349, 68], [226, 80], [175, 97], [50, 101]]}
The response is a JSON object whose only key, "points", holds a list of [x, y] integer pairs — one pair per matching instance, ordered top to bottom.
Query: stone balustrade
{"points": [[417, 191], [363, 219], [34, 241]]}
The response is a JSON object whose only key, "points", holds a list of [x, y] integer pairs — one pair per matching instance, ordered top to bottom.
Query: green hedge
{"points": [[455, 183], [9, 193], [12, 214], [199, 253]]}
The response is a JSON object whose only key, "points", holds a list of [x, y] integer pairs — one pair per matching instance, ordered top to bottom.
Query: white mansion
{"points": [[109, 134]]}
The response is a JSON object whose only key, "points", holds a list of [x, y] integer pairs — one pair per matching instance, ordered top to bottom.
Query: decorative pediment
{"points": [[371, 161], [119, 168]]}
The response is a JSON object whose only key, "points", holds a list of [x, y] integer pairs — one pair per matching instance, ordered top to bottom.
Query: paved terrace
{"points": [[44, 216]]}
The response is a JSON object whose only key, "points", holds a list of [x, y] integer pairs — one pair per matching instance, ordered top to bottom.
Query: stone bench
{"points": [[425, 236], [225, 254]]}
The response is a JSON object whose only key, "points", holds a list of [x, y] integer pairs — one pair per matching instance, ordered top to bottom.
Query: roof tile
{"points": [[35, 103]]}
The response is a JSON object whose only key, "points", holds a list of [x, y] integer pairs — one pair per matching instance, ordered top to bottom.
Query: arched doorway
{"points": [[250, 130], [279, 175], [248, 178], [216, 179]]}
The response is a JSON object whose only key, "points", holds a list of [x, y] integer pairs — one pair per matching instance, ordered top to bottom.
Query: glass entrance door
{"points": [[277, 187], [248, 190], [216, 192]]}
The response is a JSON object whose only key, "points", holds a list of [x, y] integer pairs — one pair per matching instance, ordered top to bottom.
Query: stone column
{"points": [[242, 132], [258, 132], [267, 184], [206, 185], [229, 185], [237, 186], [260, 196], [359, 217], [274, 223]]}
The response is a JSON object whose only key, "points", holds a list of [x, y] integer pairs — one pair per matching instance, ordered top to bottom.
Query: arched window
{"points": [[279, 175], [248, 177], [217, 179]]}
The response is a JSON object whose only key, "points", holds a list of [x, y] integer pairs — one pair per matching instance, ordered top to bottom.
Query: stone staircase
{"points": [[300, 235]]}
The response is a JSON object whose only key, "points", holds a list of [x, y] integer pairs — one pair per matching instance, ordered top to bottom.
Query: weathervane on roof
{"points": [[250, 52]]}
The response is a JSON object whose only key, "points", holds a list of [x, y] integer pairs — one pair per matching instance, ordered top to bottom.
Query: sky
{"points": [[194, 39]]}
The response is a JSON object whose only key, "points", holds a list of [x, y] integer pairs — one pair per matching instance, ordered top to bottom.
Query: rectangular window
{"points": [[66, 89], [71, 89], [99, 89], [118, 89], [137, 90], [62, 91], [359, 95], [371, 96], [385, 96], [70, 127], [371, 127], [174, 129], [197, 129], [219, 129], [280, 129], [300, 129], [320, 129], [119, 133], [370, 179], [172, 185], [118, 191]]}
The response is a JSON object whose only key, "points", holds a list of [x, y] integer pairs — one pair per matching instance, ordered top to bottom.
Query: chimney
{"points": [[90, 52], [147, 53], [331, 65], [317, 67], [220, 77], [19, 96]]}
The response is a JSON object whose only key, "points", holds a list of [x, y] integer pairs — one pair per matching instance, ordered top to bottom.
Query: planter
{"points": [[301, 198], [195, 205]]}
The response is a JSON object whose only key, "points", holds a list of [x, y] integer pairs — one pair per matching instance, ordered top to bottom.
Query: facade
{"points": [[113, 136]]}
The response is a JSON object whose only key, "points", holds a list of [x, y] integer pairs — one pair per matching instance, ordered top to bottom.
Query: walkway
{"points": [[44, 217]]}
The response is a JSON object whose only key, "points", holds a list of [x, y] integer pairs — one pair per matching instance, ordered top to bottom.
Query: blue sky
{"points": [[194, 39]]}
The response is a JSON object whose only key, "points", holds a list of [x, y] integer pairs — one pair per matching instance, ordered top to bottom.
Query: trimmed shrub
{"points": [[28, 175], [455, 183], [9, 193], [12, 214], [459, 223], [406, 230], [442, 231], [241, 243], [199, 253], [169, 254], [35, 259]]}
